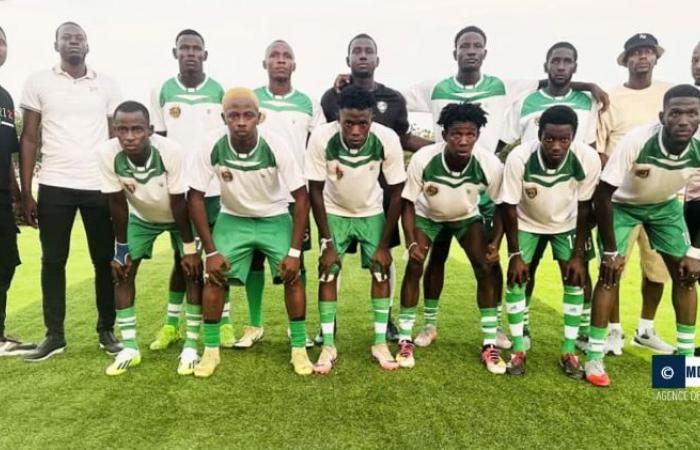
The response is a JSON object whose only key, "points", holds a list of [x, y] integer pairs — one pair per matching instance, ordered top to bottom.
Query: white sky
{"points": [[131, 40]]}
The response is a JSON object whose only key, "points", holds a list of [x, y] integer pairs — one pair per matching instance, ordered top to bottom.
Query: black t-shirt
{"points": [[390, 109], [8, 142]]}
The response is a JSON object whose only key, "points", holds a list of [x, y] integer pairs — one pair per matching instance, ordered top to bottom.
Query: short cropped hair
{"points": [[470, 29], [353, 97], [131, 106], [462, 112], [558, 115]]}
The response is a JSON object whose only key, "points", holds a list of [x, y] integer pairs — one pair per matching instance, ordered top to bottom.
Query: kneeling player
{"points": [[343, 162], [253, 167], [145, 170], [445, 181], [638, 187], [546, 197]]}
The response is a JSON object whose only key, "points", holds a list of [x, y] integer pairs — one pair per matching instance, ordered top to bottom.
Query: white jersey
{"points": [[492, 93], [187, 115], [644, 172], [351, 175], [254, 184], [147, 188], [442, 195], [547, 199]]}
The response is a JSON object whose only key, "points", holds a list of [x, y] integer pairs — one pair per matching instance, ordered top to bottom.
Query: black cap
{"points": [[640, 40]]}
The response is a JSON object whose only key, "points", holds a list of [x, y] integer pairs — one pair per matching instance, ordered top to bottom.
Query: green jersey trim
{"points": [[451, 89], [209, 91], [294, 101], [539, 101], [371, 150], [654, 153], [261, 157], [154, 167], [436, 171], [536, 171]]}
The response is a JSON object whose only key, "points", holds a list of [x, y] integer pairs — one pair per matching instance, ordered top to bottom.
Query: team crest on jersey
{"points": [[382, 106], [175, 111], [339, 172], [642, 173], [226, 175], [131, 187], [431, 190], [531, 192]]}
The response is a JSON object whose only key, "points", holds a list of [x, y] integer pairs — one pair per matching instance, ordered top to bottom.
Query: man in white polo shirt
{"points": [[72, 103]]}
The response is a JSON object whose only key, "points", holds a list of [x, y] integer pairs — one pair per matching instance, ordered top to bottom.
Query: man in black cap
{"points": [[635, 103]]}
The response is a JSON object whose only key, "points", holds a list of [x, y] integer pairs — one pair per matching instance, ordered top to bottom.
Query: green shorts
{"points": [[212, 206], [487, 211], [663, 222], [365, 230], [439, 230], [141, 235], [237, 238], [306, 241], [562, 245]]}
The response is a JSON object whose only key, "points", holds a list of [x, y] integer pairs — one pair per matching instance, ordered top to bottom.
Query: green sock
{"points": [[254, 286], [175, 300], [515, 302], [380, 306], [573, 307], [430, 311], [193, 313], [226, 313], [327, 313], [526, 314], [407, 317], [126, 319], [488, 325], [585, 326], [298, 332], [211, 335], [685, 339], [596, 340]]}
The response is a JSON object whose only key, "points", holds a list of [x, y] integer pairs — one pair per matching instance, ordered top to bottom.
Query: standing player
{"points": [[634, 104], [68, 108], [186, 108], [293, 115], [343, 164], [256, 172], [143, 174], [548, 184], [638, 187], [9, 193], [442, 193]]}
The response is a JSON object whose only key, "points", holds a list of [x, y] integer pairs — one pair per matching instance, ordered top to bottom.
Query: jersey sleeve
{"points": [[517, 88], [31, 95], [418, 97], [317, 117], [157, 119], [401, 125], [603, 128], [512, 130], [589, 136], [315, 159], [174, 160], [621, 160], [392, 167], [289, 170], [201, 171], [414, 179], [110, 181], [512, 185], [587, 186]]}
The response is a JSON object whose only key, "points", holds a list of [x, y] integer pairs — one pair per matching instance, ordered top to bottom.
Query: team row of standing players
{"points": [[181, 107]]}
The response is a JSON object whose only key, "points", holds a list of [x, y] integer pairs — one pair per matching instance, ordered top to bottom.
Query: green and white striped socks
{"points": [[175, 300], [515, 302], [380, 306], [573, 307], [430, 311], [327, 312], [193, 314], [407, 318], [126, 319], [489, 323], [585, 326], [297, 329], [211, 335], [685, 339], [596, 341]]}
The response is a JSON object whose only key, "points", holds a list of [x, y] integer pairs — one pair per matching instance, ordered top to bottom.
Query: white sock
{"points": [[644, 325], [615, 326]]}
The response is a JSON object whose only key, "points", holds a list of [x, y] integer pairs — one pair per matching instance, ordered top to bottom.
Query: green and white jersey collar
{"points": [[194, 89], [243, 155], [450, 171]]}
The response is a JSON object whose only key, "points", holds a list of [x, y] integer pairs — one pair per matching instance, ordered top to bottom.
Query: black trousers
{"points": [[56, 212], [9, 257]]}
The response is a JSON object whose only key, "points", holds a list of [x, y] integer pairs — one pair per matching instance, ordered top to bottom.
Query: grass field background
{"points": [[255, 400]]}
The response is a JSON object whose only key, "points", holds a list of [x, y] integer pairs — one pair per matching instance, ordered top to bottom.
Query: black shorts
{"points": [[8, 238]]}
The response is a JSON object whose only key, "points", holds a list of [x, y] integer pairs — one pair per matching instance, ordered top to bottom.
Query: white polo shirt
{"points": [[74, 114]]}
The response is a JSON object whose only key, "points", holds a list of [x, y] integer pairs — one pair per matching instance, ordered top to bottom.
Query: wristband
{"points": [[324, 243], [411, 245], [189, 248], [121, 252], [693, 252], [214, 253], [294, 253], [614, 254], [512, 255]]}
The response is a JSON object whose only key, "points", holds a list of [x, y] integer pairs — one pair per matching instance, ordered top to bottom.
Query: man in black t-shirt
{"points": [[390, 111], [9, 193]]}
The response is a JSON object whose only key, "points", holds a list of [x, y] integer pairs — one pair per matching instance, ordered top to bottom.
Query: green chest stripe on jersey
{"points": [[449, 89], [173, 92], [538, 101], [294, 102], [372, 150], [652, 154], [261, 157], [570, 168], [126, 169], [435, 172]]}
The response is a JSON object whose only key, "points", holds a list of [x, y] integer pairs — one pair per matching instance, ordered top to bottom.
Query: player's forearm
{"points": [[27, 161], [602, 200], [178, 206], [319, 208], [119, 210], [392, 214], [198, 216], [301, 217], [408, 221], [582, 221], [510, 224], [497, 234]]}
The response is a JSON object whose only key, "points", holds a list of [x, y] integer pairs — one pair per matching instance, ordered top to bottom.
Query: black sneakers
{"points": [[109, 343], [51, 345], [11, 346]]}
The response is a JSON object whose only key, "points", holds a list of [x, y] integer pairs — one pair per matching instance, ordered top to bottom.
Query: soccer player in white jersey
{"points": [[185, 108], [291, 114], [343, 163], [256, 172], [144, 174], [445, 181], [639, 185], [546, 196]]}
